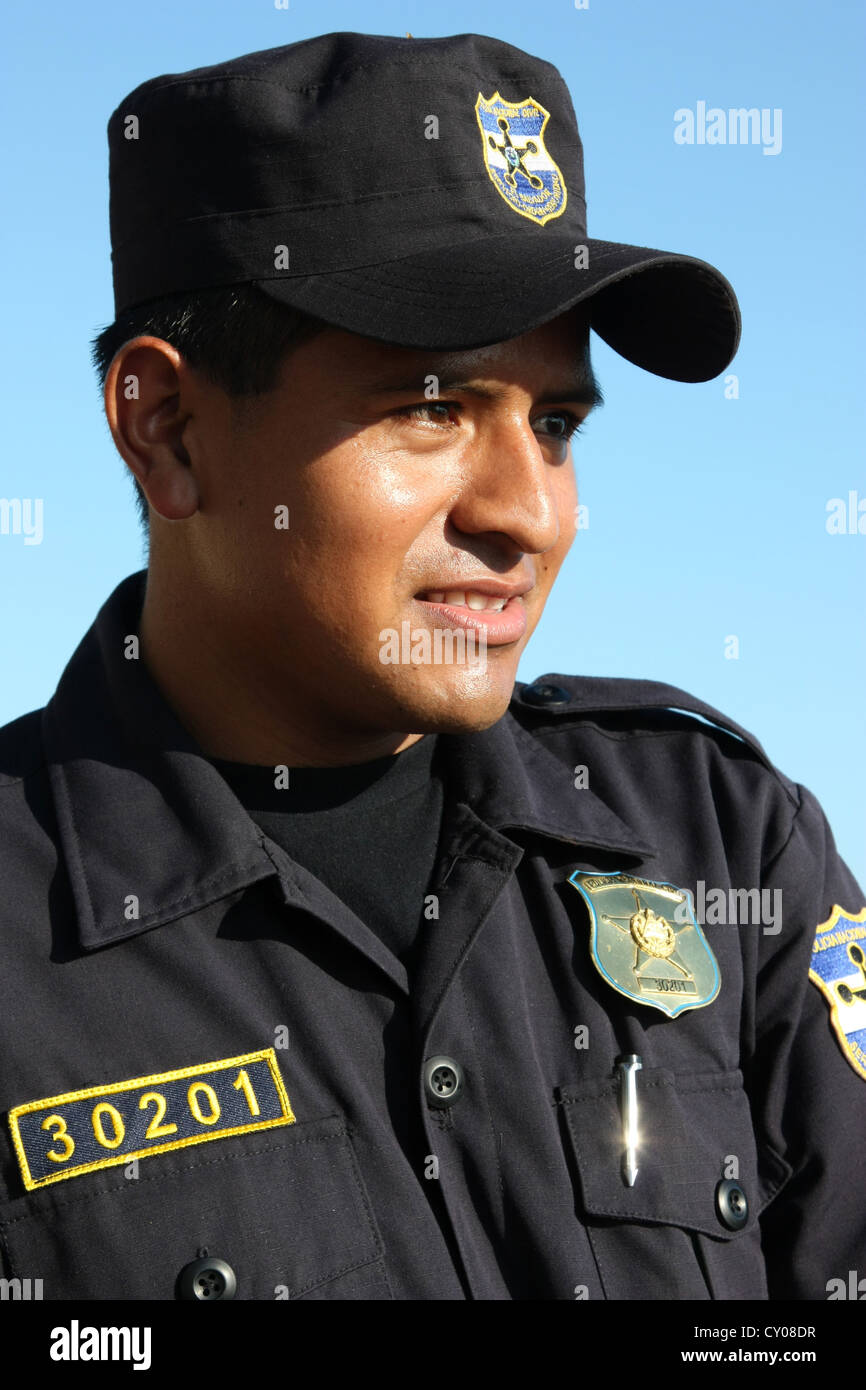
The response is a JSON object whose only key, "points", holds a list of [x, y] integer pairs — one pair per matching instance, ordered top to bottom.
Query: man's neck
{"points": [[228, 705]]}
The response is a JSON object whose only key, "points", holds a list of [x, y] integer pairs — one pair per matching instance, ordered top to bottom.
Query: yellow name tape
{"points": [[64, 1136]]}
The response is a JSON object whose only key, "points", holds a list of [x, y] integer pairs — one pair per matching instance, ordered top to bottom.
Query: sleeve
{"points": [[808, 1082]]}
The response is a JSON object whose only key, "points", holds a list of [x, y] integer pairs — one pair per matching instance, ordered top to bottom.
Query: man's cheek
{"points": [[550, 564]]}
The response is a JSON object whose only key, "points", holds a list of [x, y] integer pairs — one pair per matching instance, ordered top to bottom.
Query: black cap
{"points": [[424, 192]]}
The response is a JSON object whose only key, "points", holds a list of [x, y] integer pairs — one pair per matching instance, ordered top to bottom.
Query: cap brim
{"points": [[670, 314]]}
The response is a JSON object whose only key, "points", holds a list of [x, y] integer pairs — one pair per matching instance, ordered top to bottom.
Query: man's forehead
{"points": [[555, 356]]}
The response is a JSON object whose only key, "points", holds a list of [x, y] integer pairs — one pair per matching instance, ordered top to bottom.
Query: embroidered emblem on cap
{"points": [[519, 166], [646, 941], [839, 970], [67, 1135]]}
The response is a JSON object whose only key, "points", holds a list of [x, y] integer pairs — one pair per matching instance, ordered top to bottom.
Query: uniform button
{"points": [[550, 696], [443, 1081], [732, 1204], [208, 1280]]}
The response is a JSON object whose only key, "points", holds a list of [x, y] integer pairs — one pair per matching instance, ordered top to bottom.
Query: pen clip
{"points": [[628, 1068]]}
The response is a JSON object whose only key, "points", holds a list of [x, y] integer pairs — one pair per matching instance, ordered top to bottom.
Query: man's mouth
{"points": [[466, 598], [499, 617]]}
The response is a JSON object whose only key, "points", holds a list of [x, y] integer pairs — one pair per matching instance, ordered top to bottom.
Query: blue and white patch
{"points": [[520, 168], [839, 970]]}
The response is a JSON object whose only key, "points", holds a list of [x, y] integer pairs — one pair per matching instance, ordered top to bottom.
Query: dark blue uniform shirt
{"points": [[248, 1048]]}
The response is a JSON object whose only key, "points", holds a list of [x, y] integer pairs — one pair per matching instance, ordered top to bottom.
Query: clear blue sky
{"points": [[707, 516]]}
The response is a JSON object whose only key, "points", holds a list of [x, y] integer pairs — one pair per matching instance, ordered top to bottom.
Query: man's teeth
{"points": [[467, 598]]}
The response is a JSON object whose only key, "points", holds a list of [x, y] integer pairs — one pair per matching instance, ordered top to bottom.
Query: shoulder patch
{"points": [[839, 970], [65, 1136]]}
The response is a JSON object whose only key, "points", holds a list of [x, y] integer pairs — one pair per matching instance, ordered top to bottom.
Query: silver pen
{"points": [[628, 1069]]}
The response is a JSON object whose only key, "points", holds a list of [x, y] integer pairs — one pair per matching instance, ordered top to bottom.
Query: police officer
{"points": [[333, 964]]}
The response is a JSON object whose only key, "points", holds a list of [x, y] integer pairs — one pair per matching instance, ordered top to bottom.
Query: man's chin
{"points": [[459, 700]]}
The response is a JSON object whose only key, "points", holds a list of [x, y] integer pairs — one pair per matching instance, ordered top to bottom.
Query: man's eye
{"points": [[430, 412], [562, 425], [566, 425]]}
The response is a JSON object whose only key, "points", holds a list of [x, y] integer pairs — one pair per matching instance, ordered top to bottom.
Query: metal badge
{"points": [[647, 943]]}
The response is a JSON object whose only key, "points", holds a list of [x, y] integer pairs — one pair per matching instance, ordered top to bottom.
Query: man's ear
{"points": [[143, 408]]}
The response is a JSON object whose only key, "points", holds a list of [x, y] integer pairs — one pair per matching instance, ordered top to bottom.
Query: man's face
{"points": [[405, 507]]}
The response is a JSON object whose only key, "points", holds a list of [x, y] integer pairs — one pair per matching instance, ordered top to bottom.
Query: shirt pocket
{"points": [[287, 1211], [664, 1238]]}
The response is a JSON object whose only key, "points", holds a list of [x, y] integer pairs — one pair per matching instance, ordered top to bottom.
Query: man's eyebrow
{"points": [[582, 389]]}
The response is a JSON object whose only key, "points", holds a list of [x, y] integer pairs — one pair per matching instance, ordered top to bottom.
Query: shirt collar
{"points": [[514, 782], [151, 832]]}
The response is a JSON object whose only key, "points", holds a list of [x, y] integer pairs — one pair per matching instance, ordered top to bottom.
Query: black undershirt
{"points": [[369, 831]]}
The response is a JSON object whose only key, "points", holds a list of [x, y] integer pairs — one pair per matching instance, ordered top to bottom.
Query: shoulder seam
{"points": [[701, 726], [37, 747], [7, 780], [777, 854]]}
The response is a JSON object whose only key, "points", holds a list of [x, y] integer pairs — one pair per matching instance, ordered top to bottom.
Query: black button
{"points": [[550, 696], [443, 1081], [732, 1204], [208, 1280]]}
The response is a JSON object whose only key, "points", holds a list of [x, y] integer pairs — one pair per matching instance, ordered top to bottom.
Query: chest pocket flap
{"points": [[698, 1176], [287, 1210]]}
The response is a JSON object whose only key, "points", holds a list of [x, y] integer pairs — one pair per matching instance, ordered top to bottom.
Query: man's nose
{"points": [[510, 486]]}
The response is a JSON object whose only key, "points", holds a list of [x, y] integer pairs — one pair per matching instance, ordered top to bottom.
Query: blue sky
{"points": [[707, 516]]}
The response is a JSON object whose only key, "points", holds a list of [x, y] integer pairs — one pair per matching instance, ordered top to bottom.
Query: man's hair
{"points": [[236, 336]]}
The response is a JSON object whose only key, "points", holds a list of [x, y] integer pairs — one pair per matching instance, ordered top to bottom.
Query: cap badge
{"points": [[519, 166], [647, 943]]}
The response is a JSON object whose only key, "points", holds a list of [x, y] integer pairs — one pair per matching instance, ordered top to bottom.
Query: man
{"points": [[334, 964]]}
